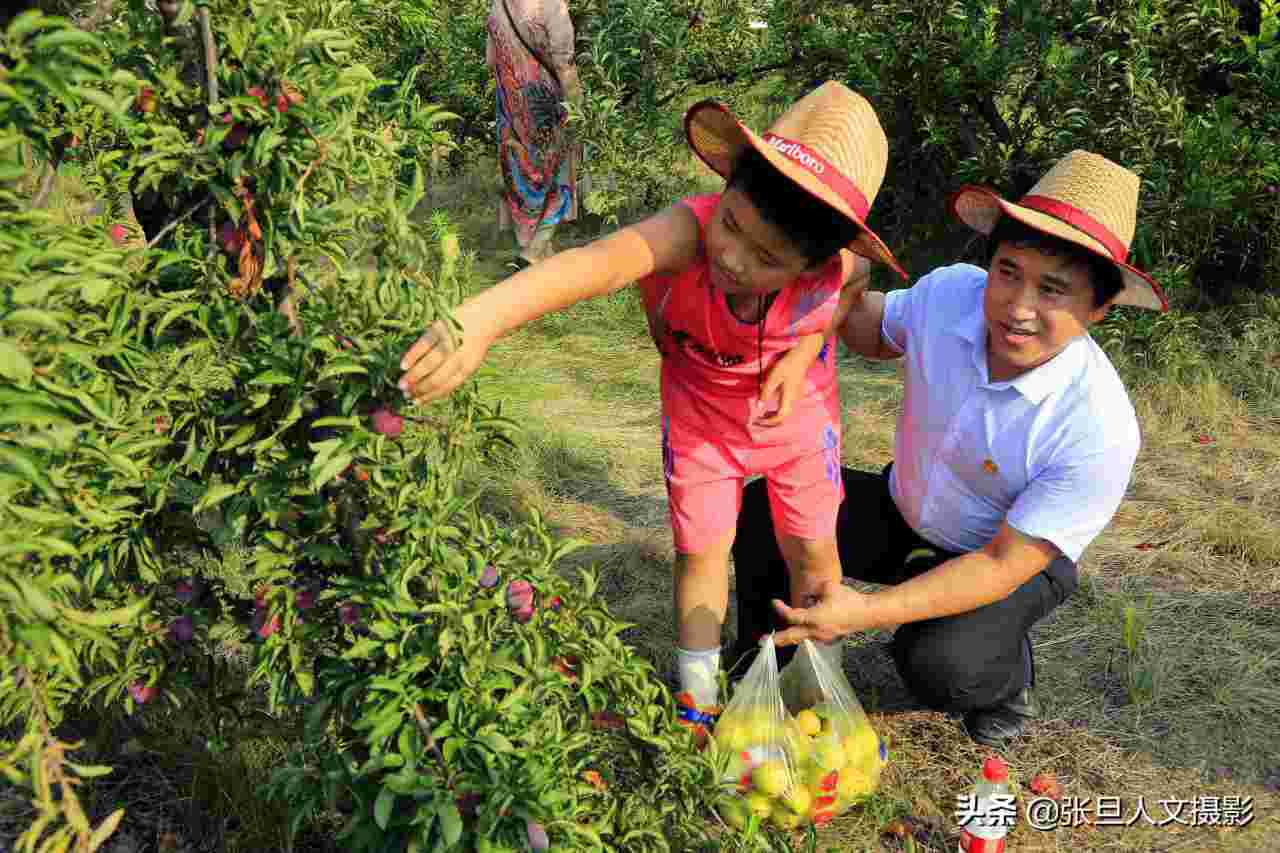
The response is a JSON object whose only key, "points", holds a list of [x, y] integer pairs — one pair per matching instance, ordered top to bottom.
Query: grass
{"points": [[1189, 707]]}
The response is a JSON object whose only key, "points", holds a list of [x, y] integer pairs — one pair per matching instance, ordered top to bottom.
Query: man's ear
{"points": [[1097, 315]]}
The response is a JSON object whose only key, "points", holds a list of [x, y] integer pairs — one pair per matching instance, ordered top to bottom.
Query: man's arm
{"points": [[860, 317], [965, 583], [960, 585]]}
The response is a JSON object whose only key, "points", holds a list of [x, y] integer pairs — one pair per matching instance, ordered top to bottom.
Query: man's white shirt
{"points": [[1051, 451]]}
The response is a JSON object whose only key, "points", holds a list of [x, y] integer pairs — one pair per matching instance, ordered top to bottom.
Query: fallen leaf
{"points": [[1046, 785], [898, 828]]}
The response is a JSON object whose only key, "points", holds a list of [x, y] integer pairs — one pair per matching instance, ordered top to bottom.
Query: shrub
{"points": [[144, 385]]}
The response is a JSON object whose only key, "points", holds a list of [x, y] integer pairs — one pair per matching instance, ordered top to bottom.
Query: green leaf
{"points": [[27, 23], [64, 37], [101, 100], [173, 314], [36, 319], [14, 363], [341, 367], [273, 377], [32, 414], [240, 436], [29, 468], [332, 468], [216, 495], [41, 517], [38, 544], [36, 599], [107, 618], [362, 648], [67, 657], [306, 681], [317, 714], [497, 742], [88, 771], [382, 807], [450, 822], [105, 829]]}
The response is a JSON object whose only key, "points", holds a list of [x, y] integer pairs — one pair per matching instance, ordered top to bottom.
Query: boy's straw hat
{"points": [[829, 142], [1084, 199]]}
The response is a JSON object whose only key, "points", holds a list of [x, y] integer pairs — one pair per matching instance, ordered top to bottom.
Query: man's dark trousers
{"points": [[965, 662]]}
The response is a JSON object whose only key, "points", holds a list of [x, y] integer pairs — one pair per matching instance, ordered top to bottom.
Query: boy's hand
{"points": [[437, 363], [786, 380]]}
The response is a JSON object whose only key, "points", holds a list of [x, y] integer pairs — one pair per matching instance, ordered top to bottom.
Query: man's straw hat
{"points": [[829, 142], [1084, 199]]}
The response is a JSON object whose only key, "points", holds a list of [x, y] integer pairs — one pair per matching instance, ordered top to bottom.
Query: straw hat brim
{"points": [[714, 118], [980, 209]]}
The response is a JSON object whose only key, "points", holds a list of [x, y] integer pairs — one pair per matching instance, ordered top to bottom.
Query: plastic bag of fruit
{"points": [[754, 737], [838, 755]]}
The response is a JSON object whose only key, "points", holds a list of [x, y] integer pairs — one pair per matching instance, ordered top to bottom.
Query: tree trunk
{"points": [[47, 181]]}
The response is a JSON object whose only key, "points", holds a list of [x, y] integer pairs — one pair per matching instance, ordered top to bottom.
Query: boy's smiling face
{"points": [[748, 255], [1035, 304]]}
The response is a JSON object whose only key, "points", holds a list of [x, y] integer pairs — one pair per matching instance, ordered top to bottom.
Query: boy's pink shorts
{"points": [[705, 473]]}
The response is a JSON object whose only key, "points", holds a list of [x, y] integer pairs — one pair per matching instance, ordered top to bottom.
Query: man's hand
{"points": [[437, 364], [839, 611]]}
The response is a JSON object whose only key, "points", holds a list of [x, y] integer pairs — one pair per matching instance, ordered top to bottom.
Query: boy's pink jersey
{"points": [[712, 367]]}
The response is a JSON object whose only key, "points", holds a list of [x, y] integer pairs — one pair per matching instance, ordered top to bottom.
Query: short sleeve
{"points": [[945, 294], [899, 317], [1074, 499]]}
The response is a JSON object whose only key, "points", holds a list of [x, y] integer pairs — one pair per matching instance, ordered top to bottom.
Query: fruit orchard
{"points": [[233, 356], [238, 359]]}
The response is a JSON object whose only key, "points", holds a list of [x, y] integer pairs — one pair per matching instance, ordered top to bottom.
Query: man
{"points": [[1014, 448]]}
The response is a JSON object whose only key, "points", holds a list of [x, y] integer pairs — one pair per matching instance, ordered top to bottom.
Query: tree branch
{"points": [[210, 55], [723, 77], [211, 97], [985, 106], [47, 181], [175, 223]]}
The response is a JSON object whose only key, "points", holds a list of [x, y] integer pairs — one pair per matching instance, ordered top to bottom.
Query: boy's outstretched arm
{"points": [[439, 362]]}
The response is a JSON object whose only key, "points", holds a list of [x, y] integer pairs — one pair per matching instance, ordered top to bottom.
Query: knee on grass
{"points": [[947, 674]]}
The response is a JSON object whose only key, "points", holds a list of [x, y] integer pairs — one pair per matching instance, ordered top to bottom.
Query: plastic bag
{"points": [[755, 738], [839, 756]]}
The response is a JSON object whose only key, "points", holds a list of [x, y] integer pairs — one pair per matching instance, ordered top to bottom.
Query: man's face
{"points": [[748, 255], [1035, 304]]}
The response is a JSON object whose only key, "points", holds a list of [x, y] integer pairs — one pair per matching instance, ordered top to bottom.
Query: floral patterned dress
{"points": [[535, 148]]}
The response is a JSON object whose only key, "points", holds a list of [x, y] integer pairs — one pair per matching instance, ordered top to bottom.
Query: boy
{"points": [[731, 282]]}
